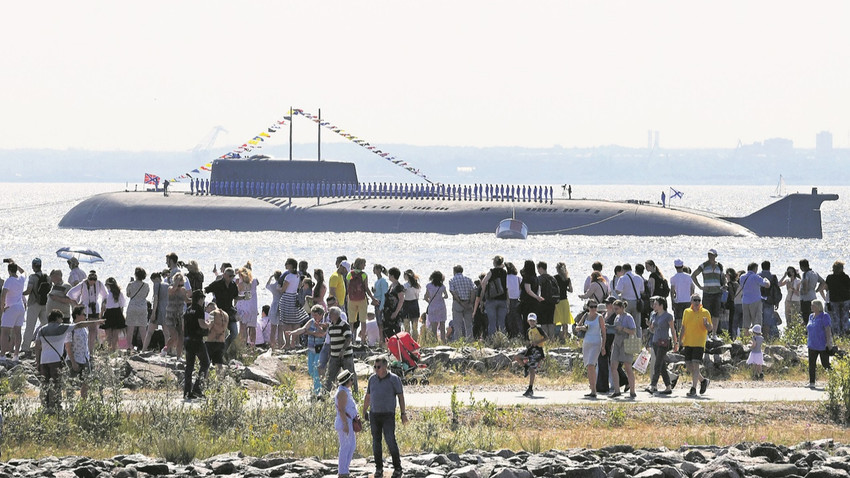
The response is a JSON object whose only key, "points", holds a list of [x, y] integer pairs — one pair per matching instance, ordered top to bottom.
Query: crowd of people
{"points": [[328, 316]]}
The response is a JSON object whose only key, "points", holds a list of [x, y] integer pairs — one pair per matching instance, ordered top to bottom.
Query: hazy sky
{"points": [[159, 75]]}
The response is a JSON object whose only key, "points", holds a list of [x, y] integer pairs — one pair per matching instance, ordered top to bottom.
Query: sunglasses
{"points": [[696, 300], [378, 367]]}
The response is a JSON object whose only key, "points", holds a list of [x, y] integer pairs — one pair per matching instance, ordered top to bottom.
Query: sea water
{"points": [[30, 213]]}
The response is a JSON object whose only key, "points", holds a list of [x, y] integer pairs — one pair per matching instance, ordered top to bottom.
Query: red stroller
{"points": [[406, 364]]}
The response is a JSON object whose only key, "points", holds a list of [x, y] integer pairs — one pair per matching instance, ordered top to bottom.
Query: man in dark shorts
{"points": [[696, 322], [216, 335]]}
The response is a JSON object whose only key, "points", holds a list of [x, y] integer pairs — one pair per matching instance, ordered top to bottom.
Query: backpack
{"points": [[356, 286], [662, 287], [42, 288], [494, 288], [549, 289], [774, 292]]}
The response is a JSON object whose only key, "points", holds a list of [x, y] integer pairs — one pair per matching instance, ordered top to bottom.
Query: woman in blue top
{"points": [[381, 288], [593, 325], [624, 326], [819, 330], [316, 331]]}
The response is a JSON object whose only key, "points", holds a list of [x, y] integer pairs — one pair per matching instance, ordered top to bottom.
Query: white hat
{"points": [[713, 252], [678, 263], [346, 265], [532, 316], [756, 329]]}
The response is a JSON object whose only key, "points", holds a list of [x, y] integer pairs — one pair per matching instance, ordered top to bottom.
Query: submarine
{"points": [[266, 194]]}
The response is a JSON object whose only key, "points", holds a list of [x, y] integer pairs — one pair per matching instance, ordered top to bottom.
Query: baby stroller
{"points": [[406, 364]]}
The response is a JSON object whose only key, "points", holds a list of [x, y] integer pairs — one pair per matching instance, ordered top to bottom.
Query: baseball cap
{"points": [[713, 252], [36, 261], [678, 263], [346, 265]]}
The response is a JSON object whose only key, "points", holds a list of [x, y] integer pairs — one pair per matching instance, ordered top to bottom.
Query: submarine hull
{"points": [[151, 211]]}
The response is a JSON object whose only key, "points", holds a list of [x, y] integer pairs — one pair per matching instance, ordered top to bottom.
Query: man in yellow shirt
{"points": [[336, 284], [696, 322]]}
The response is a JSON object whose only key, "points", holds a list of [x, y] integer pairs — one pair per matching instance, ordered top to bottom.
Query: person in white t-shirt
{"points": [[681, 289], [14, 312], [373, 334]]}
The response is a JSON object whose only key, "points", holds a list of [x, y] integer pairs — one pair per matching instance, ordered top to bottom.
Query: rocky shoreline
{"points": [[149, 370], [818, 459]]}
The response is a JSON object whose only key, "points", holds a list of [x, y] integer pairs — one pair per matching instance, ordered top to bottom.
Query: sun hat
{"points": [[756, 329], [344, 376]]}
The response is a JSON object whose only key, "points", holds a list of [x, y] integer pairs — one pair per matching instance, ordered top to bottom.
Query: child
{"points": [[534, 354], [756, 355]]}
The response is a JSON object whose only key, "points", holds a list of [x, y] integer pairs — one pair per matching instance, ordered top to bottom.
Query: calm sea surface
{"points": [[29, 215]]}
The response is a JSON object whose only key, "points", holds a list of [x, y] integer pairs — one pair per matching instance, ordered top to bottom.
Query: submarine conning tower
{"points": [[795, 215]]}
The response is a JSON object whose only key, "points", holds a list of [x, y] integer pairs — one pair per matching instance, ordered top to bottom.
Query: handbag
{"points": [[639, 303], [663, 343], [632, 345], [642, 361], [356, 424]]}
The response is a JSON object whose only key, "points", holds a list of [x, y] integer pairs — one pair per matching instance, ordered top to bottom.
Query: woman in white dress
{"points": [[14, 311]]}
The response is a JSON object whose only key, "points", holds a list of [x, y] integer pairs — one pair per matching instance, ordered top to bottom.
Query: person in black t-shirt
{"points": [[225, 291], [194, 326]]}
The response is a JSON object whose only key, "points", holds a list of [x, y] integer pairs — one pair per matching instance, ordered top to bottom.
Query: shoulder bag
{"points": [[638, 299], [632, 345]]}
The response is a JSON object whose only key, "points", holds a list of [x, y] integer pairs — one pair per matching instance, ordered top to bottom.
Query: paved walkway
{"points": [[567, 397]]}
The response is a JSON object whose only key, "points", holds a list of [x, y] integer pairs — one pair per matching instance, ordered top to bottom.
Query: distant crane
{"points": [[207, 142]]}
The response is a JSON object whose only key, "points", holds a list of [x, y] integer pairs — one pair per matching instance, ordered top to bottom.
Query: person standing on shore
{"points": [[76, 275], [791, 281], [751, 284], [810, 284], [838, 285], [380, 287], [712, 287], [462, 288], [629, 289], [681, 290], [225, 292], [89, 294], [496, 295], [435, 296], [36, 301], [137, 307], [410, 308], [696, 323], [194, 325], [593, 326], [624, 326], [661, 326], [316, 329], [276, 335], [216, 336], [819, 339], [341, 354], [383, 389], [346, 411]]}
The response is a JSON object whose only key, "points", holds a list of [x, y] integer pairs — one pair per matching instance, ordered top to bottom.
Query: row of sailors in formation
{"points": [[476, 192]]}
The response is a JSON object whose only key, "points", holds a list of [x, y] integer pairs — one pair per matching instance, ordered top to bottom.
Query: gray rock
{"points": [[498, 361], [258, 375], [618, 449], [770, 452], [505, 453], [696, 456], [223, 467], [721, 467], [152, 468], [776, 470], [468, 471], [583, 472], [671, 472], [827, 472], [124, 473], [512, 473], [650, 473]]}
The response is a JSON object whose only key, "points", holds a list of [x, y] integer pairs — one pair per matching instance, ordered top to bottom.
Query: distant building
{"points": [[823, 144], [778, 146]]}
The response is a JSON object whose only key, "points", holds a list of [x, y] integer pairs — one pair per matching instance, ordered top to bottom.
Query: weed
{"points": [[615, 416], [181, 449]]}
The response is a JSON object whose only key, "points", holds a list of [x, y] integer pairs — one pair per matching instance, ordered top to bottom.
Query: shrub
{"points": [[838, 391], [181, 449]]}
